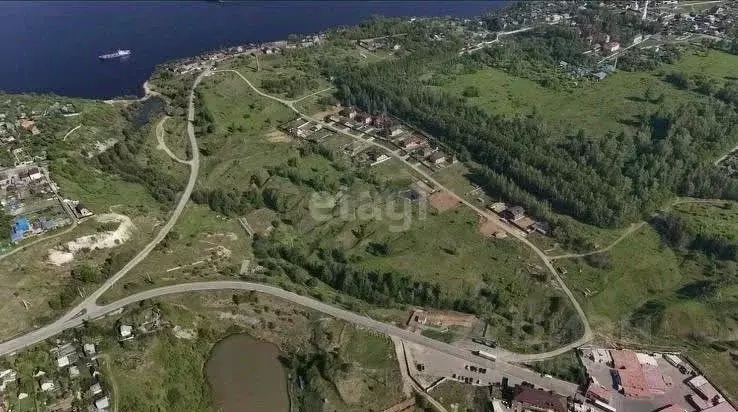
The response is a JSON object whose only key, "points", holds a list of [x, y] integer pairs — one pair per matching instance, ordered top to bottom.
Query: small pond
{"points": [[246, 376]]}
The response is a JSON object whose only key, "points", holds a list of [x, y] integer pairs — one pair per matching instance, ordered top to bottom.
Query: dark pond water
{"points": [[246, 376]]}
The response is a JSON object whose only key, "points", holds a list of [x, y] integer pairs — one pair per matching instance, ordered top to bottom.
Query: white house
{"points": [[126, 331], [89, 349], [47, 386], [96, 389], [102, 403]]}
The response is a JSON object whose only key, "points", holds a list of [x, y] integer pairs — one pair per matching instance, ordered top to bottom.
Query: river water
{"points": [[53, 46], [246, 376]]}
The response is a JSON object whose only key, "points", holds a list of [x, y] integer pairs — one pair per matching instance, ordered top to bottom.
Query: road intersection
{"points": [[88, 309], [587, 334]]}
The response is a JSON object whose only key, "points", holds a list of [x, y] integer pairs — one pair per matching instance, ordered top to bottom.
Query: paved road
{"points": [[184, 198], [89, 302], [88, 308], [95, 311], [586, 336], [409, 384]]}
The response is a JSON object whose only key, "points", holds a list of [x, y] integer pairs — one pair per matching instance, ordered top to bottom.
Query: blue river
{"points": [[52, 47]]}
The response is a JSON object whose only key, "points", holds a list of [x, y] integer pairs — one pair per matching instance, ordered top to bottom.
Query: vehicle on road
{"points": [[485, 355]]}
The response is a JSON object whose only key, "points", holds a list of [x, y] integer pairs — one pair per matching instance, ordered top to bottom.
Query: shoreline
{"points": [[213, 56], [148, 93]]}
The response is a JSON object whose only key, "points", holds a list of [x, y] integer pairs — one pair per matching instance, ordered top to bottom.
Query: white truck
{"points": [[485, 355]]}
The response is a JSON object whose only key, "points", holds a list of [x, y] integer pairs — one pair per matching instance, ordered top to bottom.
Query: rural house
{"points": [[413, 142], [513, 213], [530, 399]]}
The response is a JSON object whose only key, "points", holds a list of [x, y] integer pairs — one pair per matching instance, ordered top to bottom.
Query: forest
{"points": [[534, 55], [291, 86], [606, 180]]}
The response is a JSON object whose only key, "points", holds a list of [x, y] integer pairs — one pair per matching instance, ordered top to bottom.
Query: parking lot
{"points": [[675, 395]]}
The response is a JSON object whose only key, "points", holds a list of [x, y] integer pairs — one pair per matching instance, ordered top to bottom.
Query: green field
{"points": [[598, 108], [175, 137], [245, 142], [232, 156], [718, 218], [201, 246], [648, 286], [644, 294], [566, 367]]}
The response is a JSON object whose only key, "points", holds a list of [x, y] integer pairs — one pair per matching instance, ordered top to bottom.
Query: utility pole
{"points": [[258, 67]]}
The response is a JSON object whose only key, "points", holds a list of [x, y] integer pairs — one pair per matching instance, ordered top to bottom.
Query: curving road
{"points": [[70, 132], [163, 145], [184, 198], [634, 228], [89, 309], [95, 311], [586, 336], [501, 365]]}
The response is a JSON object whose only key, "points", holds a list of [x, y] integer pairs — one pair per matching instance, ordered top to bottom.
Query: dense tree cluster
{"points": [[622, 27], [730, 46], [534, 55], [642, 60], [292, 86], [726, 92], [204, 120], [121, 159], [605, 181], [229, 202], [86, 274], [388, 287]]}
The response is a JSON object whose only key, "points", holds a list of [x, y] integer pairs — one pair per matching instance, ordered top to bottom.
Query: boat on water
{"points": [[115, 55]]}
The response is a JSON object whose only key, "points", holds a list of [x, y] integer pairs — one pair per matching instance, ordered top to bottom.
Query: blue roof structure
{"points": [[22, 224], [19, 228], [15, 236]]}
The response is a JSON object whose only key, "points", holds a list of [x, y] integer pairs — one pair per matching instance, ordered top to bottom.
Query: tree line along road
{"points": [[88, 308], [587, 334]]}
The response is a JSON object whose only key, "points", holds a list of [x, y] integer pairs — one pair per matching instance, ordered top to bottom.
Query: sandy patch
{"points": [[325, 113], [277, 136], [102, 146], [442, 201], [261, 220], [490, 228], [228, 235], [104, 240], [219, 252], [240, 318], [182, 333], [350, 387]]}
